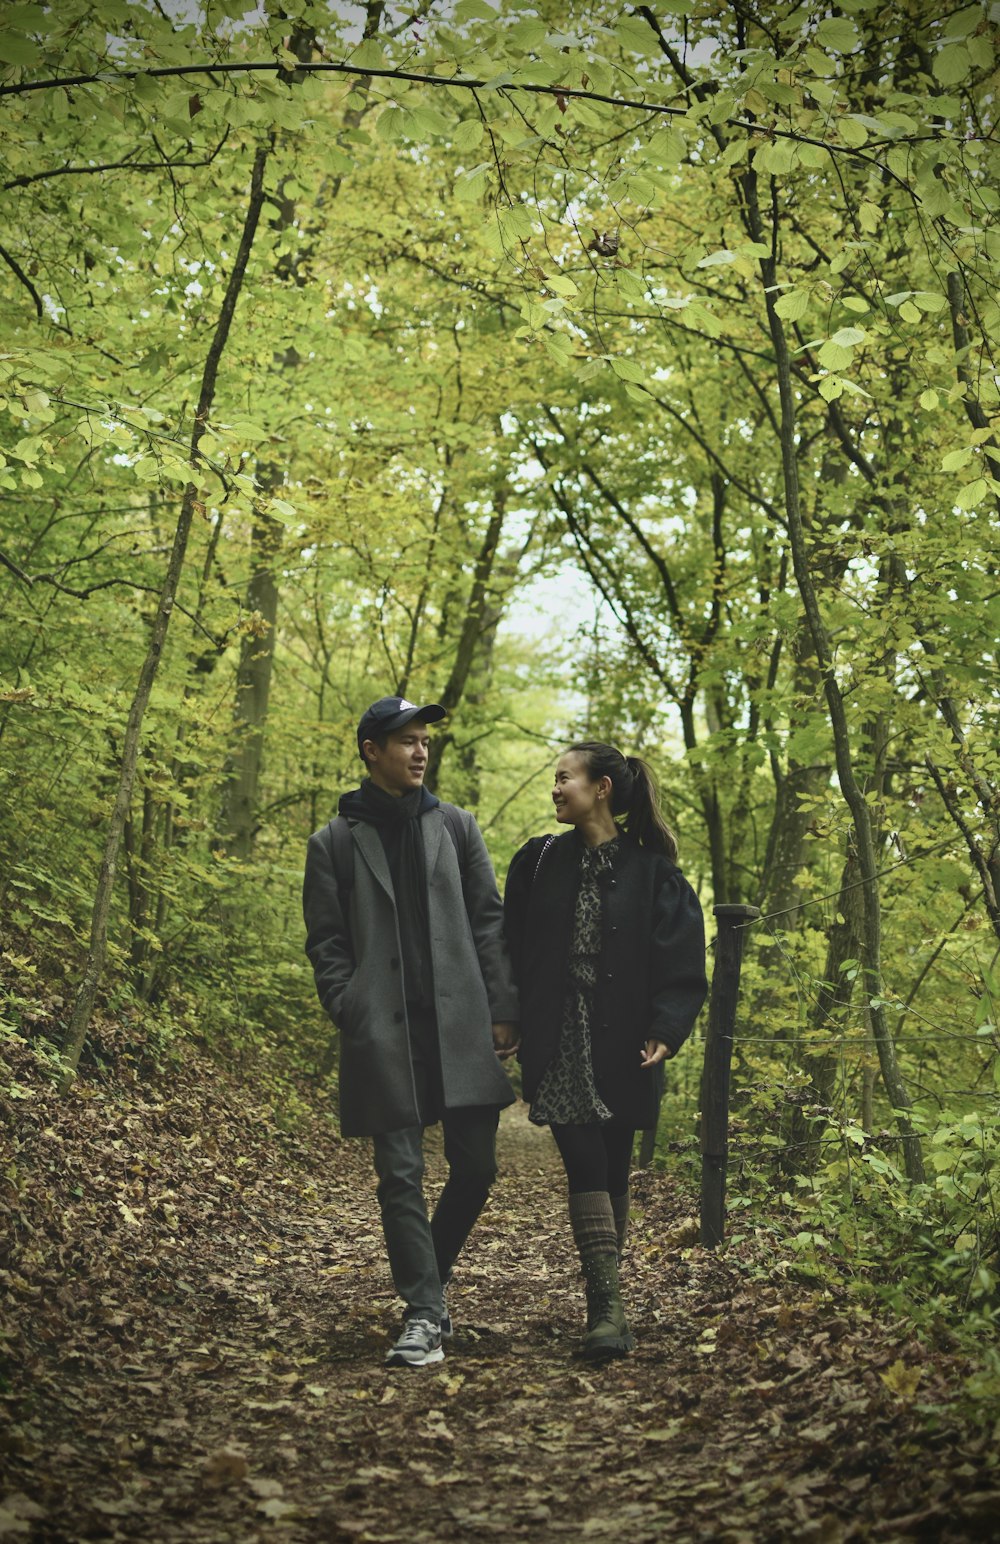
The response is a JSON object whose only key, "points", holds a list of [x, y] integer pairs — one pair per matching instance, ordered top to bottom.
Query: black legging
{"points": [[596, 1157]]}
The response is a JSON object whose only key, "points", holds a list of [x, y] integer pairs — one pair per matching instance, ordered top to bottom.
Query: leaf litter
{"points": [[196, 1307]]}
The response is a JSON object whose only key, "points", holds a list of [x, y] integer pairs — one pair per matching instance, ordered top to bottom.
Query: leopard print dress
{"points": [[567, 1094]]}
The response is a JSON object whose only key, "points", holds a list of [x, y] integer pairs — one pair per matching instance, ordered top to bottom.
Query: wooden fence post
{"points": [[732, 931], [647, 1144]]}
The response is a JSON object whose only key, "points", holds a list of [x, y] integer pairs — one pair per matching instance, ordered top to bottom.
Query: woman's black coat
{"points": [[651, 972]]}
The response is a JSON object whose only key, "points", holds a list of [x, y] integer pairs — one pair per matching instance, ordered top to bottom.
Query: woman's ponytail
{"points": [[634, 794], [645, 818]]}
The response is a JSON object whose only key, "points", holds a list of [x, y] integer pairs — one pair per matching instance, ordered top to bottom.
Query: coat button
{"points": [[612, 929], [394, 963], [608, 976], [397, 1016]]}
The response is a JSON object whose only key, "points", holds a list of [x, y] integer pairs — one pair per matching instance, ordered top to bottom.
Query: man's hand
{"points": [[506, 1039], [654, 1051]]}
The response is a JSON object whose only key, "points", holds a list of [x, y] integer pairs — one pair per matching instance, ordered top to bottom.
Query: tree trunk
{"points": [[470, 636], [253, 690], [853, 794], [785, 855], [83, 1007], [819, 1055]]}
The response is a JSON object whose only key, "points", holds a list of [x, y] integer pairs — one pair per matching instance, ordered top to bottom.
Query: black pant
{"points": [[596, 1157]]}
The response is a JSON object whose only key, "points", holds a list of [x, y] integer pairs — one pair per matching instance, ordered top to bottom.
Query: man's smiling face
{"points": [[399, 765]]}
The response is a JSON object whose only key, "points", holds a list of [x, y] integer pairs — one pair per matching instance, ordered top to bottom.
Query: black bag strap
{"points": [[544, 849]]}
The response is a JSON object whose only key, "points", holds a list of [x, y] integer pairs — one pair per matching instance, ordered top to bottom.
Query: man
{"points": [[405, 934]]}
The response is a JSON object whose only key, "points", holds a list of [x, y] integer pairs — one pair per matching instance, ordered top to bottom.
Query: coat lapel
{"points": [[369, 844]]}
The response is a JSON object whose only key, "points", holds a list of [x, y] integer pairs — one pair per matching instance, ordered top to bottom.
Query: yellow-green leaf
{"points": [[474, 10], [838, 34], [17, 50], [368, 55], [952, 64], [427, 120], [391, 125], [852, 132], [468, 134], [793, 305], [847, 337], [834, 356], [627, 370], [973, 492], [902, 1380]]}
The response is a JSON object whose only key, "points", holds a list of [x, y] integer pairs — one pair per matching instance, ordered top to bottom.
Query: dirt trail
{"points": [[210, 1369]]}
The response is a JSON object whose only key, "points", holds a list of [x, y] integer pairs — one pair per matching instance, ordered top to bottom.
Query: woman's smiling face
{"points": [[574, 793]]}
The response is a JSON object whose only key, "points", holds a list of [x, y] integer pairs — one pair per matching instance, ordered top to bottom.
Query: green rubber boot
{"points": [[608, 1333]]}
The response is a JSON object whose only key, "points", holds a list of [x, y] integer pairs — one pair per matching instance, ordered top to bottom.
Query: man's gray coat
{"points": [[358, 966]]}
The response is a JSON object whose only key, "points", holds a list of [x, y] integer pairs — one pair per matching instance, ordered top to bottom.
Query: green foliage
{"points": [[498, 348]]}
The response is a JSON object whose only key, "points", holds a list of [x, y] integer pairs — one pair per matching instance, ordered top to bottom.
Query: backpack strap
{"points": [[459, 833], [342, 853]]}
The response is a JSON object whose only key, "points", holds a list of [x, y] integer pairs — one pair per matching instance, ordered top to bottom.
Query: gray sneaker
{"points": [[418, 1346]]}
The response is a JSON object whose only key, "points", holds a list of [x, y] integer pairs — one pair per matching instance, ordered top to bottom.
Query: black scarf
{"points": [[397, 821]]}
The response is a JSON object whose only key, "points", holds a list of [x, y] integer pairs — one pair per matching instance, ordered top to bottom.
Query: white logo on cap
{"points": [[404, 704]]}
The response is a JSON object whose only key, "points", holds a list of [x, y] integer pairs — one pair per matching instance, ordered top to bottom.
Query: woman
{"points": [[608, 947]]}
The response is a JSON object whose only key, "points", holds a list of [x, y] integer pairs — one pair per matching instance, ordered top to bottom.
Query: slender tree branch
{"points": [[110, 166], [19, 273], [970, 401], [91, 589], [979, 859]]}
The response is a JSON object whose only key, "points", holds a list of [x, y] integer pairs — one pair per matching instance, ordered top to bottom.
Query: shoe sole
{"points": [[608, 1348], [399, 1359]]}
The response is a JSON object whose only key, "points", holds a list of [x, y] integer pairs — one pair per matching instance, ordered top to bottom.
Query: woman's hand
{"points": [[506, 1038], [653, 1052]]}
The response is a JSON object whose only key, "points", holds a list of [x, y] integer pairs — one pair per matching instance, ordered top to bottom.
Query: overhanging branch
{"points": [[461, 82]]}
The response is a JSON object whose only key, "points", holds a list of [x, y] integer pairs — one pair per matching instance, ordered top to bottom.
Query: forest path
{"points": [[202, 1360]]}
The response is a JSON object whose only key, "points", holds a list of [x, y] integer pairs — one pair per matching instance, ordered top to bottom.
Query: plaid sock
{"points": [[619, 1206], [593, 1223]]}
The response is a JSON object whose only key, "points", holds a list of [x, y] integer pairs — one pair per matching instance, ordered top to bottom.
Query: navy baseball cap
{"points": [[391, 713]]}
